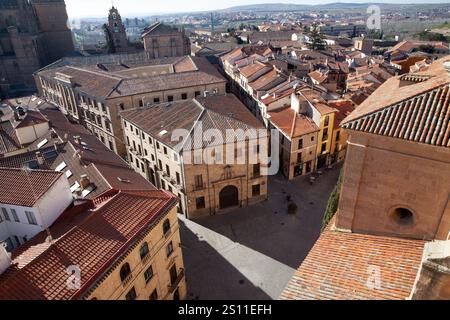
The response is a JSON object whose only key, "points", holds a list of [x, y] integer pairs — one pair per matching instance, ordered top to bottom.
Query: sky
{"points": [[99, 8]]}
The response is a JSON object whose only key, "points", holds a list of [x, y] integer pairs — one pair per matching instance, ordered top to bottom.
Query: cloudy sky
{"points": [[98, 8]]}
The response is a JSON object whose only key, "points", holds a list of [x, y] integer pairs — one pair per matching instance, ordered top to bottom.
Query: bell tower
{"points": [[115, 32]]}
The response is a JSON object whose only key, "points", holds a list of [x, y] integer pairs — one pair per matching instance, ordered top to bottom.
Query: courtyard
{"points": [[252, 252]]}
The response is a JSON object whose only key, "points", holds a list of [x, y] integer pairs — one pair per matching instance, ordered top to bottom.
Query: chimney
{"points": [[77, 139], [39, 158], [84, 182], [5, 257]]}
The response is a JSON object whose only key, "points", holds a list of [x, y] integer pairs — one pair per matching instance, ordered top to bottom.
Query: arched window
{"points": [[402, 216], [166, 226], [144, 250], [125, 271]]}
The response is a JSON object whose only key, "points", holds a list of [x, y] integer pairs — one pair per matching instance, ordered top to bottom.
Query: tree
{"points": [[316, 41], [333, 202]]}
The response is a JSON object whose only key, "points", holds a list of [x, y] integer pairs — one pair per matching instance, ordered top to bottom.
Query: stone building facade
{"points": [[33, 34], [162, 40], [95, 93], [205, 187]]}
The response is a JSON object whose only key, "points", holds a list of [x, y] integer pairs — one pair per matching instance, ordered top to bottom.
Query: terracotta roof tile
{"points": [[412, 107], [291, 123], [23, 187], [90, 238], [339, 265]]}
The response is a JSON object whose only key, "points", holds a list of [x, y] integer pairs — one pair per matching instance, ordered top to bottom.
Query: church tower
{"points": [[53, 24], [115, 33]]}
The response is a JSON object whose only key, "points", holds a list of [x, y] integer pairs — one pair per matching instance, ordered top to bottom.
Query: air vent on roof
{"points": [[102, 67], [162, 133], [123, 180]]}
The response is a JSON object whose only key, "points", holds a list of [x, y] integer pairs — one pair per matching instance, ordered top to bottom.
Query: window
{"points": [[197, 93], [184, 96], [170, 98], [156, 100], [141, 103], [327, 121], [325, 134], [338, 135], [312, 138], [150, 140], [128, 141], [300, 144], [157, 145], [111, 146], [324, 147], [165, 150], [299, 158], [160, 164], [167, 170], [256, 170], [178, 178], [198, 181], [256, 190], [200, 203], [5, 214], [15, 216], [402, 216], [31, 218], [166, 226], [17, 240], [169, 249], [143, 252], [125, 272], [148, 274], [131, 295], [154, 295]]}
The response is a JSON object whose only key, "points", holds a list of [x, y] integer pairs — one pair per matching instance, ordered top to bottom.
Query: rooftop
{"points": [[148, 76], [412, 107], [220, 112], [291, 123], [25, 187], [87, 235], [340, 265]]}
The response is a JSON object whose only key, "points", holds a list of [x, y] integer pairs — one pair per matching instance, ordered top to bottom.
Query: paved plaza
{"points": [[252, 253]]}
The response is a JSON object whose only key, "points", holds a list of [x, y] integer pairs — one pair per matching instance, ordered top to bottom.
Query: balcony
{"points": [[199, 187], [127, 280], [174, 285]]}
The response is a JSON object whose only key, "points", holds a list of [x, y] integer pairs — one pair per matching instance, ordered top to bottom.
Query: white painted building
{"points": [[30, 201]]}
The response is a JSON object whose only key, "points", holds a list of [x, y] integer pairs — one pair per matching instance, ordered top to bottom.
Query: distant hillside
{"points": [[297, 7]]}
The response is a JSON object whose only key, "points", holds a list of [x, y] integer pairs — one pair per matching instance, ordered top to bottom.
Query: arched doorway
{"points": [[229, 197]]}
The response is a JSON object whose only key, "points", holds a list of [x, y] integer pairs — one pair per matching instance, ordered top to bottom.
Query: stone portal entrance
{"points": [[229, 197]]}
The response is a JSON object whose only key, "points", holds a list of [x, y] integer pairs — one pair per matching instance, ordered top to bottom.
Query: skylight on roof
{"points": [[33, 99], [162, 133], [42, 143], [61, 166], [69, 174], [74, 187], [88, 190]]}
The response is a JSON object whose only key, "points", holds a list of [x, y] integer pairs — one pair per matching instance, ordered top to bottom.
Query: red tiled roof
{"points": [[253, 68], [344, 107], [414, 107], [291, 123], [23, 188], [92, 239], [339, 266]]}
